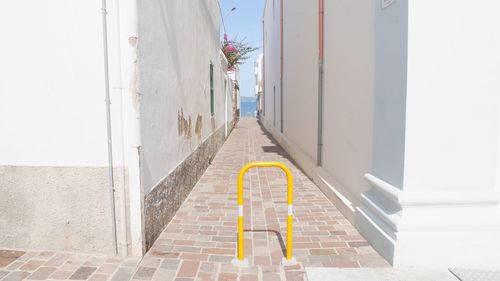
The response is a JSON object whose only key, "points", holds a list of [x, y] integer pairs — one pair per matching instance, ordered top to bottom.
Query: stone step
{"points": [[378, 274]]}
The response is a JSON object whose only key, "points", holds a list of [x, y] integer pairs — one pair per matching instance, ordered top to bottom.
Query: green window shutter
{"points": [[212, 105]]}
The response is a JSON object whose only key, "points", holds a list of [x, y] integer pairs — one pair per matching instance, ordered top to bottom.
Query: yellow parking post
{"points": [[241, 247]]}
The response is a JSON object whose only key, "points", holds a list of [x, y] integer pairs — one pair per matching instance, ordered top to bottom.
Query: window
{"points": [[212, 106]]}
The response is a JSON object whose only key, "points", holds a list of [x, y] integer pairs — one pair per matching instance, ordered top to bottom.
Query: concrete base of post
{"points": [[285, 262], [240, 263]]}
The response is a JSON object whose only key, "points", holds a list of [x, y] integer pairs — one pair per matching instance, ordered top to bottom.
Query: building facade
{"points": [[234, 77], [259, 82], [393, 108], [171, 110]]}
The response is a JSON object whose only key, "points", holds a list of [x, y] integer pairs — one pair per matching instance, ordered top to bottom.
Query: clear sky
{"points": [[246, 22]]}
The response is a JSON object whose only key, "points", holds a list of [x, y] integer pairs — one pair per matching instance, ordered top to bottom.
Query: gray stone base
{"points": [[161, 204], [57, 208]]}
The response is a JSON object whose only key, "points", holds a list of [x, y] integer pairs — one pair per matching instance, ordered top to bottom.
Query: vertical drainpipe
{"points": [[281, 66], [320, 82], [263, 97], [225, 104], [108, 125]]}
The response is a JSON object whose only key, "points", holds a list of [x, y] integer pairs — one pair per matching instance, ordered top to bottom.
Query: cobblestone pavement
{"points": [[200, 242]]}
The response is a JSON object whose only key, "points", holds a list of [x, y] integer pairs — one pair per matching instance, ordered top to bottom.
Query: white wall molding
{"points": [[432, 196], [430, 228]]}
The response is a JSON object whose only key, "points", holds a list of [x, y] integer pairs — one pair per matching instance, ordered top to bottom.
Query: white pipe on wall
{"points": [[225, 106], [132, 108], [108, 124], [124, 242]]}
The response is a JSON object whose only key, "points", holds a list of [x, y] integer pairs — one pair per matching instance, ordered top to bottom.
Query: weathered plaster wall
{"points": [[177, 42], [164, 200], [57, 208]]}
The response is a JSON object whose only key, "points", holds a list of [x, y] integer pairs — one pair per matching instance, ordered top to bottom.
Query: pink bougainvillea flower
{"points": [[225, 36], [230, 49]]}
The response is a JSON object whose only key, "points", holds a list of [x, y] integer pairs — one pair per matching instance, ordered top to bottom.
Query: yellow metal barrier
{"points": [[241, 246]]}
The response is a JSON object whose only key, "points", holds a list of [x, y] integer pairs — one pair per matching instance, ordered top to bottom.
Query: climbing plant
{"points": [[236, 51]]}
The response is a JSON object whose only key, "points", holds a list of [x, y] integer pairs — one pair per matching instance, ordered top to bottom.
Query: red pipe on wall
{"points": [[321, 28], [281, 37], [321, 43], [281, 65]]}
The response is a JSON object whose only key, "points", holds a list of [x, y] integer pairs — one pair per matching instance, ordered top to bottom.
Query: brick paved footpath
{"points": [[200, 242]]}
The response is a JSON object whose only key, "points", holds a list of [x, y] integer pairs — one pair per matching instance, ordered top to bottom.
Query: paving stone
{"points": [[322, 252], [28, 255], [45, 255], [8, 256], [221, 259], [57, 260], [151, 261], [131, 262], [170, 264], [15, 265], [32, 265], [71, 265], [209, 267], [107, 268], [188, 269], [3, 273], [42, 273], [83, 273], [144, 273], [123, 274], [61, 275], [164, 275], [295, 275], [16, 276], [99, 277], [228, 277], [249, 277], [271, 277]]}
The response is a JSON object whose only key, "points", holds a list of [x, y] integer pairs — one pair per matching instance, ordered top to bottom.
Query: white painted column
{"points": [[131, 114], [434, 200]]}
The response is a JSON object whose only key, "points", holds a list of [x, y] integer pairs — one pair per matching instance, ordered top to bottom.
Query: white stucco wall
{"points": [[177, 42], [272, 53], [460, 68], [300, 77], [348, 90], [390, 92], [348, 95], [412, 101], [52, 111], [52, 116], [434, 180]]}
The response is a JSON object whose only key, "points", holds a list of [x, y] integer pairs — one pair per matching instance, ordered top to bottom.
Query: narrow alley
{"points": [[200, 242]]}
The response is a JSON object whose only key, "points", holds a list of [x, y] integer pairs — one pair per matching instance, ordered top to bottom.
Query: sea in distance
{"points": [[248, 106]]}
